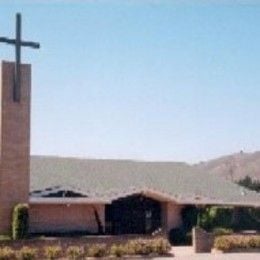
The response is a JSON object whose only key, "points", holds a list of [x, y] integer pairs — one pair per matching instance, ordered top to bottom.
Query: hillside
{"points": [[234, 167]]}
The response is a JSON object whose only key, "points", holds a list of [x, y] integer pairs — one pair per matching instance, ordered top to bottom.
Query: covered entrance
{"points": [[135, 214]]}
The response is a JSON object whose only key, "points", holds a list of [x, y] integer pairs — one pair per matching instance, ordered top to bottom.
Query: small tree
{"points": [[249, 183], [20, 221]]}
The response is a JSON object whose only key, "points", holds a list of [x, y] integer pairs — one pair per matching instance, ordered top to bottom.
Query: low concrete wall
{"points": [[202, 241]]}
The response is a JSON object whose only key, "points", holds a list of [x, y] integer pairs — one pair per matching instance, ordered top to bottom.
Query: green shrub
{"points": [[249, 183], [212, 217], [238, 218], [247, 219], [20, 221], [222, 231], [222, 243], [227, 243], [140, 246], [161, 246], [133, 247], [129, 248], [97, 250], [118, 250], [52, 252], [74, 252], [6, 253], [27, 253]]}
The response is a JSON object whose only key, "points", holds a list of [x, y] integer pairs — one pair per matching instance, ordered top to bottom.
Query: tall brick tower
{"points": [[14, 141]]}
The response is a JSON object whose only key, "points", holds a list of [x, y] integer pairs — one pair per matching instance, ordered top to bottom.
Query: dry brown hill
{"points": [[234, 167]]}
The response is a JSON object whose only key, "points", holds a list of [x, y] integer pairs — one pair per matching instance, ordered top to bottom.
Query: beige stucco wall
{"points": [[171, 215], [64, 218]]}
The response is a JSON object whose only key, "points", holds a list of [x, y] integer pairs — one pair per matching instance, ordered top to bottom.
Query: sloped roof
{"points": [[112, 179]]}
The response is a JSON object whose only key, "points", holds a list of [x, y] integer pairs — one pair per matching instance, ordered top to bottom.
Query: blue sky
{"points": [[147, 80]]}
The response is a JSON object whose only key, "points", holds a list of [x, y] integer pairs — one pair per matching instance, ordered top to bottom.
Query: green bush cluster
{"points": [[250, 184], [213, 217], [230, 218], [247, 219], [20, 221], [222, 231], [229, 242], [159, 246], [144, 247], [97, 250], [118, 250], [52, 252], [75, 252], [6, 253], [27, 253]]}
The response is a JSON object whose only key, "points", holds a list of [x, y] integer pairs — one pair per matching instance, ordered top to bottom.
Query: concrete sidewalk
{"points": [[182, 251], [187, 253], [206, 256], [230, 256]]}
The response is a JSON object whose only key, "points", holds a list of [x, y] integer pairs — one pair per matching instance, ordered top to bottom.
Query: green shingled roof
{"points": [[113, 178]]}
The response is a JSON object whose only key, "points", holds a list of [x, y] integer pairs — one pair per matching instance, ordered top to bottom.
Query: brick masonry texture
{"points": [[14, 142]]}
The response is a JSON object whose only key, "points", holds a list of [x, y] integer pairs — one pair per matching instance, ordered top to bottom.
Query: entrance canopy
{"points": [[134, 214]]}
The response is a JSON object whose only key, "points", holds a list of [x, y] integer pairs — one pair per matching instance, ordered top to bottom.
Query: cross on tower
{"points": [[18, 43]]}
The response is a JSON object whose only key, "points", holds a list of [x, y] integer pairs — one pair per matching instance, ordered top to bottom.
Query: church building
{"points": [[94, 196]]}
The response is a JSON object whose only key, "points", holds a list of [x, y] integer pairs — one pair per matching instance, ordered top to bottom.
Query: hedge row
{"points": [[229, 217], [230, 242], [144, 247]]}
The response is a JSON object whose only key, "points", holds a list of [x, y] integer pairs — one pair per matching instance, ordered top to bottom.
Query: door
{"points": [[133, 215]]}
